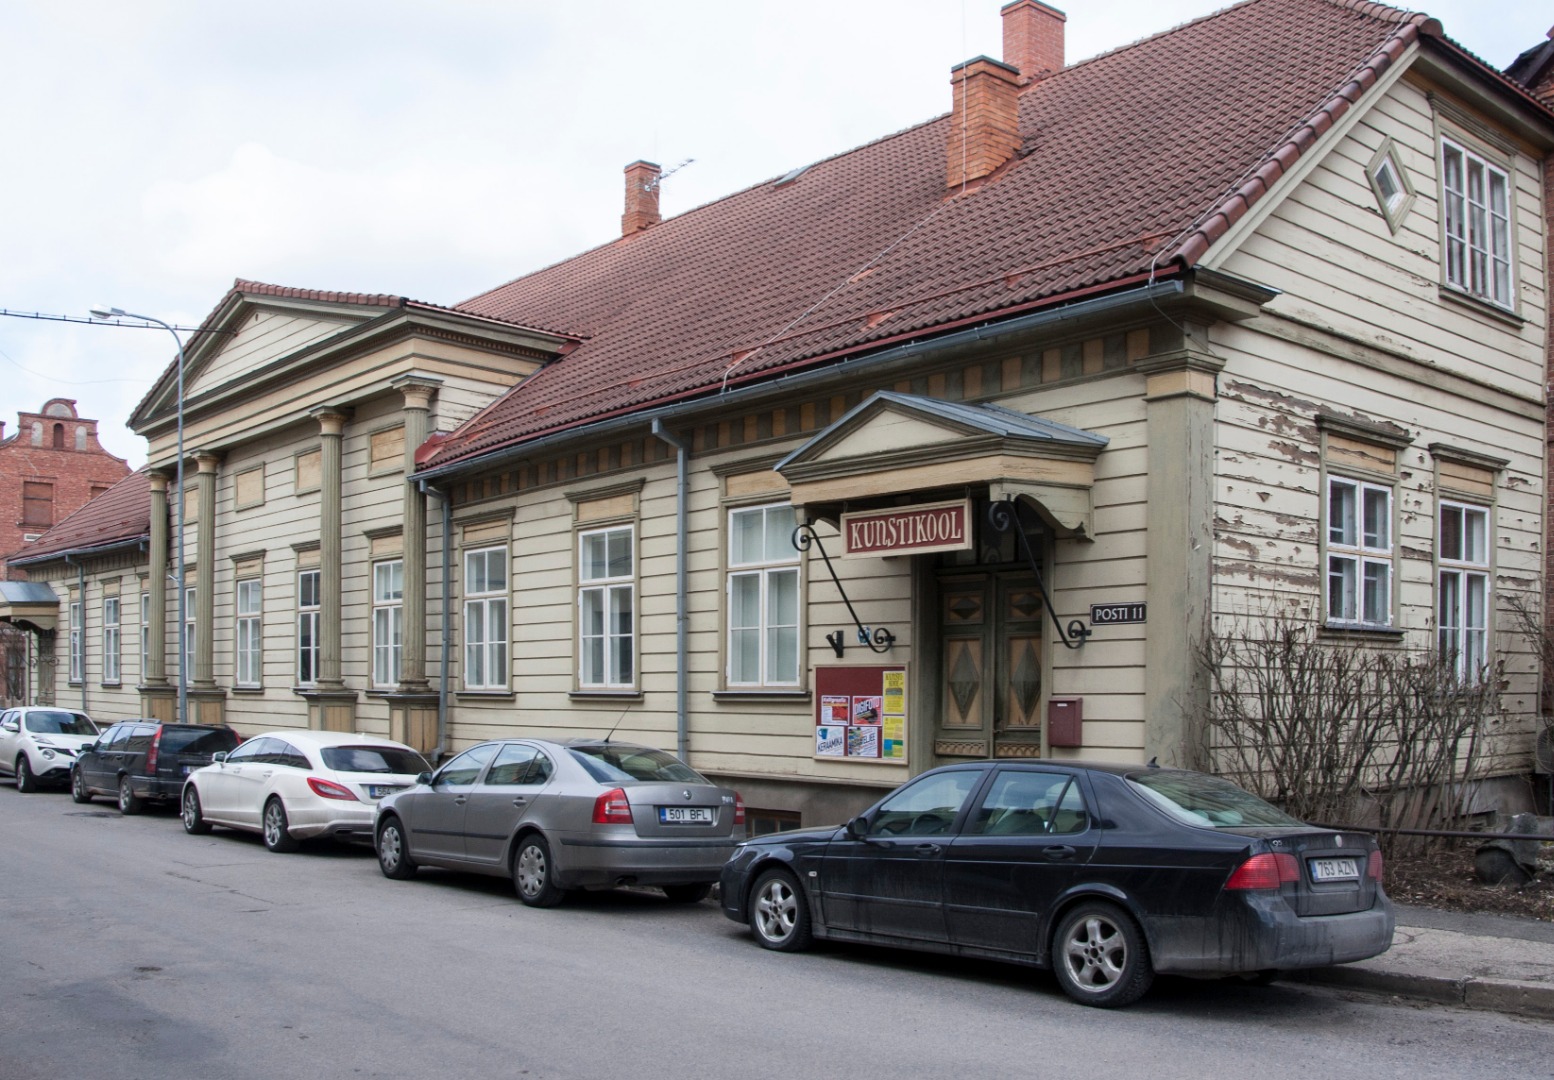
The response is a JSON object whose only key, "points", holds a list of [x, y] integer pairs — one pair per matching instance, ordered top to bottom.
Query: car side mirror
{"points": [[11, 725], [219, 756], [424, 778], [858, 827]]}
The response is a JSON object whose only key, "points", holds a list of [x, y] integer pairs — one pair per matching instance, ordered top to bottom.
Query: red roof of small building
{"points": [[1133, 163], [120, 515]]}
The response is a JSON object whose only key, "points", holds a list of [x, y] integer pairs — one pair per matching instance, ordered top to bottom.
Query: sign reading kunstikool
{"points": [[908, 530]]}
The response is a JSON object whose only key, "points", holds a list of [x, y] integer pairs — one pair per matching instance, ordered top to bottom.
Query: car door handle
{"points": [[266, 775], [460, 800], [520, 801], [927, 849], [1061, 851]]}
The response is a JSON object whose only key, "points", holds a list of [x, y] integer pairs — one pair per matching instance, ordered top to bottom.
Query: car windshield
{"points": [[59, 723], [176, 740], [374, 759], [610, 764], [1198, 799]]}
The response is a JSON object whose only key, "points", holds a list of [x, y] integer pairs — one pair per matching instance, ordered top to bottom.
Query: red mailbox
{"points": [[1065, 721]]}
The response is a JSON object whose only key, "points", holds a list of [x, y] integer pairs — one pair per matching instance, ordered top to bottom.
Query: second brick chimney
{"points": [[1033, 38], [984, 129], [641, 197]]}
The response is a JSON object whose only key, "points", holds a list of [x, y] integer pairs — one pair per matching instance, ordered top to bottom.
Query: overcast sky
{"points": [[154, 151]]}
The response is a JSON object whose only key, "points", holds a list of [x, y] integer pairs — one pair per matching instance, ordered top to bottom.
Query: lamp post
{"points": [[178, 564]]}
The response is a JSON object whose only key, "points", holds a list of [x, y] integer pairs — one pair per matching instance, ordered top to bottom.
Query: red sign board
{"points": [[908, 530]]}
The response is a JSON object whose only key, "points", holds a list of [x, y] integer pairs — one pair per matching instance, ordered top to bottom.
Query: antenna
{"points": [[667, 174], [618, 720]]}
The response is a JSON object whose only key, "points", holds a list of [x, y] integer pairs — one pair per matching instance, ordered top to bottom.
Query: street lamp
{"points": [[183, 623]]}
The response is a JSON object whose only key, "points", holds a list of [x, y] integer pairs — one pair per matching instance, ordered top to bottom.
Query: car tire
{"points": [[26, 783], [78, 789], [129, 802], [194, 822], [273, 826], [394, 851], [534, 875], [688, 894], [779, 912], [1100, 957]]}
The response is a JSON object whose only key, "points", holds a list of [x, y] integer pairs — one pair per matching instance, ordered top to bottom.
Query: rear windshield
{"points": [[60, 723], [179, 740], [374, 759], [610, 764], [1197, 799]]}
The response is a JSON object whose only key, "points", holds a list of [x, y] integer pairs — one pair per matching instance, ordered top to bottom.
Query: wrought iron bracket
{"points": [[1004, 516], [877, 639]]}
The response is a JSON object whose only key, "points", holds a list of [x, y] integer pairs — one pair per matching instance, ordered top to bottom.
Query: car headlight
{"points": [[47, 753]]}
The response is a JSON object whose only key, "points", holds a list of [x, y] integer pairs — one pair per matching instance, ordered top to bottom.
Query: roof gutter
{"points": [[1047, 317], [68, 554]]}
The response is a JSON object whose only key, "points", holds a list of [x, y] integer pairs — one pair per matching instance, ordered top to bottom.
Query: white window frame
{"points": [[1479, 253], [1362, 568], [765, 574], [1464, 590], [112, 612], [485, 618], [308, 620], [388, 621], [188, 635], [248, 636], [77, 641], [605, 651]]}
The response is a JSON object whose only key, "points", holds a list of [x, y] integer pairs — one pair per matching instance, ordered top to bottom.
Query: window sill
{"points": [[1454, 295], [1362, 630], [248, 691], [762, 694], [484, 695], [605, 695]]}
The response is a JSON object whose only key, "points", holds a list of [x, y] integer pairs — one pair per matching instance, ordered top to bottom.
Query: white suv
{"points": [[38, 744]]}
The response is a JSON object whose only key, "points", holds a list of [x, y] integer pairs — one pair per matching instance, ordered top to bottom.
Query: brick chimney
{"points": [[1033, 39], [985, 125], [641, 197]]}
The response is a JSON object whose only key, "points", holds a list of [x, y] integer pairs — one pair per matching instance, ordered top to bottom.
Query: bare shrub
{"points": [[1345, 733]]}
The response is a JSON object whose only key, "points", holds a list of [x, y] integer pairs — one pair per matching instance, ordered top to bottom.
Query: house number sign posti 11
{"points": [[907, 530]]}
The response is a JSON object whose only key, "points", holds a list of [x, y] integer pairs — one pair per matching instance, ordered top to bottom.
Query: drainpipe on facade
{"points": [[80, 584], [447, 614], [682, 719]]}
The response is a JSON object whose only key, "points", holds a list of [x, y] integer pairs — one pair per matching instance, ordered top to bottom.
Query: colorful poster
{"points": [[895, 693], [835, 709], [866, 709], [893, 738], [863, 740], [830, 741]]}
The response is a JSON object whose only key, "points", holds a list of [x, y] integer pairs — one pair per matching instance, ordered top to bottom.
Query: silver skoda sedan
{"points": [[583, 814]]}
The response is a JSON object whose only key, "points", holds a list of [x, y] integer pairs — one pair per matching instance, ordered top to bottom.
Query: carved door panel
{"points": [[991, 674]]}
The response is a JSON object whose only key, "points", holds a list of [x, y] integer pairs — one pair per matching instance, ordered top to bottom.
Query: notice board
{"points": [[861, 713]]}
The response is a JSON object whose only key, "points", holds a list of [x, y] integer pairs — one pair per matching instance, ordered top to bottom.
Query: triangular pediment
{"points": [[259, 336]]}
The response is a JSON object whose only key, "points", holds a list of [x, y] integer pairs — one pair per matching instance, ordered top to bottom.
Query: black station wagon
{"points": [[1105, 873]]}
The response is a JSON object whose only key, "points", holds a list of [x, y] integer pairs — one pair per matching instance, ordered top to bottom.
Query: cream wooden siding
{"points": [[266, 336]]}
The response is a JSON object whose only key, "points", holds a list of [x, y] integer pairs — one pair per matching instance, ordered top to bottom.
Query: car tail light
{"points": [[156, 745], [328, 789], [611, 808], [739, 809], [1373, 867], [1266, 871]]}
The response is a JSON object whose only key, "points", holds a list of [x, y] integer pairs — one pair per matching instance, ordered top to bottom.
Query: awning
{"points": [[903, 444], [30, 604]]}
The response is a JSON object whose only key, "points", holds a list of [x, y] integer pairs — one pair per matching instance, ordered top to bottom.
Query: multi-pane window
{"points": [[1477, 197], [1359, 552], [1463, 553], [763, 597], [606, 608], [250, 617], [485, 619], [388, 621], [307, 627], [188, 634], [145, 635], [110, 639], [77, 658]]}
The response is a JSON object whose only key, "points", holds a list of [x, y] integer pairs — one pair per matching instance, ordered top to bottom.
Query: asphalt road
{"points": [[130, 950]]}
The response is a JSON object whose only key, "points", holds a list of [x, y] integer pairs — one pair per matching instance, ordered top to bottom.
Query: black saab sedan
{"points": [[1105, 873]]}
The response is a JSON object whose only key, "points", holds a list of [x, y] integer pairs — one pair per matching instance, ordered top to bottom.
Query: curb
{"points": [[1534, 1000]]}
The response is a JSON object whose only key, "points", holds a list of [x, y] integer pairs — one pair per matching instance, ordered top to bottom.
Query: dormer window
{"points": [[1394, 194], [1476, 195]]}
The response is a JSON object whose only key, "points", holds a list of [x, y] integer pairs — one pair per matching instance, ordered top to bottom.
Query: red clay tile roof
{"points": [[1133, 163], [120, 515]]}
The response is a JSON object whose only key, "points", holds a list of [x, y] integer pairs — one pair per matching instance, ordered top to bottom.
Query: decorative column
{"points": [[158, 699], [207, 701], [413, 706], [331, 707]]}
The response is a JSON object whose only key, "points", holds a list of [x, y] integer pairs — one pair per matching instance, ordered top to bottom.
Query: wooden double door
{"points": [[990, 672]]}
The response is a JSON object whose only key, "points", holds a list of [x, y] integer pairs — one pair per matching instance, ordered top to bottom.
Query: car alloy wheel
{"points": [[24, 781], [78, 792], [129, 802], [194, 821], [276, 836], [393, 853], [533, 873], [779, 914], [1100, 957]]}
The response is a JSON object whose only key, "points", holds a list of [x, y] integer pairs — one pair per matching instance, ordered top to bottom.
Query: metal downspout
{"points": [[81, 584], [447, 615], [682, 616]]}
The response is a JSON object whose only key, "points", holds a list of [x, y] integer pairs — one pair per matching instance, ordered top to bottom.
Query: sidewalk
{"points": [[1496, 962]]}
